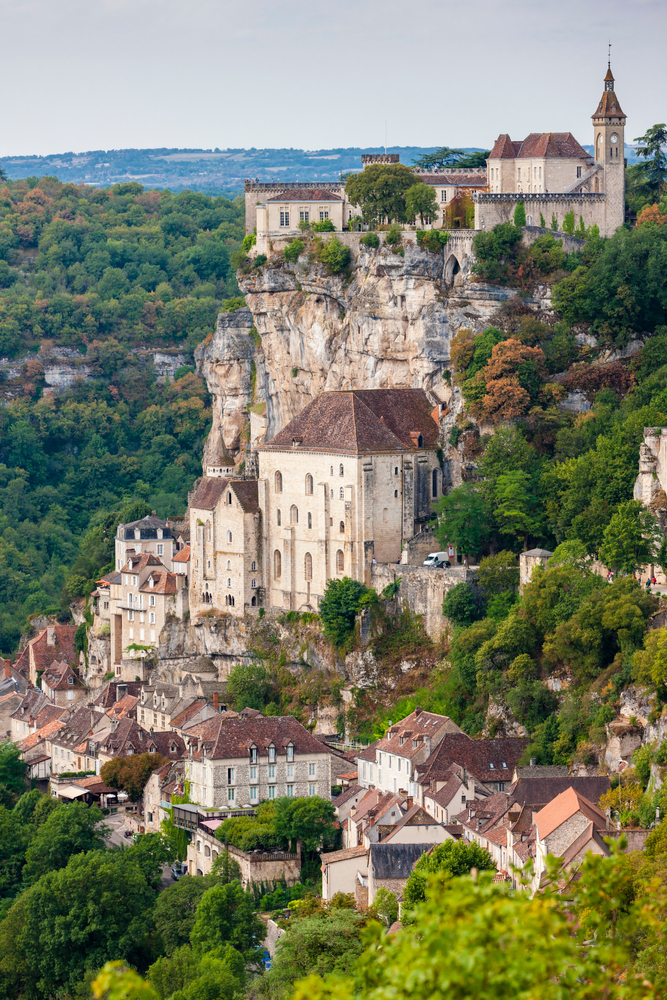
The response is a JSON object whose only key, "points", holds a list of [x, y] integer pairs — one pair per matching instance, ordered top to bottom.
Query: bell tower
{"points": [[609, 152]]}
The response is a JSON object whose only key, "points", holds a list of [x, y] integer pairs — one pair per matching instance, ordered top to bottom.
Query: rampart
{"points": [[493, 209], [423, 588]]}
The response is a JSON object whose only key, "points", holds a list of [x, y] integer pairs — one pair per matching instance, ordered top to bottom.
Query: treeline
{"points": [[79, 264]]}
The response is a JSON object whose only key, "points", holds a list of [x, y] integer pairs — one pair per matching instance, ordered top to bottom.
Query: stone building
{"points": [[552, 174], [282, 213], [344, 484], [150, 534], [529, 560], [53, 643], [61, 685], [242, 761], [561, 823]]}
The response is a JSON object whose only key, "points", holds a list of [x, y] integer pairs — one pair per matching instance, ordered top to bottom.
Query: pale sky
{"points": [[79, 75]]}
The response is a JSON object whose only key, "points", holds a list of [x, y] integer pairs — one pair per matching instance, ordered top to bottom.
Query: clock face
{"points": [[614, 138]]}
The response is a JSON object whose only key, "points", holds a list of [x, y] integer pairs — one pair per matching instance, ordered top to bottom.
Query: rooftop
{"points": [[547, 145], [306, 194], [556, 812]]}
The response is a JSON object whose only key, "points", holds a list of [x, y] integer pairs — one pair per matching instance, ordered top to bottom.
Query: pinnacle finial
{"points": [[609, 55]]}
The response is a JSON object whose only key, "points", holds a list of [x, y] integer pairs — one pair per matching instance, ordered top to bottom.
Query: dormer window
{"points": [[151, 583], [70, 680], [414, 744], [290, 752], [253, 755], [504, 764], [491, 766]]}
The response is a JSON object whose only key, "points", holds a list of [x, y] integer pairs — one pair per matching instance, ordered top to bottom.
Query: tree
{"points": [[442, 157], [654, 169], [380, 191], [420, 200], [520, 214], [494, 251], [334, 255], [516, 506], [463, 519], [631, 539], [499, 573], [461, 605], [340, 606], [249, 685], [12, 772], [130, 774], [308, 819], [70, 830], [15, 837], [151, 853], [455, 857], [385, 907], [96, 908], [175, 911], [226, 915], [320, 944], [220, 974]]}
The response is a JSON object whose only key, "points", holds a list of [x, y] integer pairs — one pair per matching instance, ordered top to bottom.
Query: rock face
{"points": [[389, 325]]}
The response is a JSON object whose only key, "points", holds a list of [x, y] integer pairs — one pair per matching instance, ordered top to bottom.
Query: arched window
{"points": [[420, 441], [332, 470], [341, 470], [395, 470], [279, 482], [434, 483], [309, 485], [341, 493], [395, 493], [332, 494], [229, 498], [294, 514], [278, 518], [310, 520], [341, 526], [208, 531], [229, 536], [340, 561], [229, 564], [277, 564], [253, 566], [308, 566], [229, 581], [253, 584], [253, 602]]}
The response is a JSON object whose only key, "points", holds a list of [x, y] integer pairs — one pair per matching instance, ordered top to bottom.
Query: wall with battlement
{"points": [[258, 191], [493, 209]]}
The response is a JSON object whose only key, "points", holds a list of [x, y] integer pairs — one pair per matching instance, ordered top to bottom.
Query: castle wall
{"points": [[257, 192], [493, 209], [423, 588]]}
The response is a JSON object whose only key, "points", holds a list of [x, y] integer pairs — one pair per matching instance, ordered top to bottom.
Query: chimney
{"points": [[8, 668], [215, 700], [427, 745], [533, 761]]}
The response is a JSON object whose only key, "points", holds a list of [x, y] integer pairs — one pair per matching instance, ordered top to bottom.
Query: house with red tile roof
{"points": [[51, 644], [61, 685]]}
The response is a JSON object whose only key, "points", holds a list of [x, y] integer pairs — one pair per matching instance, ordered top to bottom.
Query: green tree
{"points": [[442, 157], [654, 169], [380, 191], [420, 201], [520, 214], [334, 255], [516, 506], [463, 519], [631, 539], [499, 573], [461, 605], [339, 607], [250, 685], [12, 773], [130, 774], [308, 819], [67, 831], [15, 837], [150, 853], [455, 857], [175, 911], [226, 915], [218, 975]]}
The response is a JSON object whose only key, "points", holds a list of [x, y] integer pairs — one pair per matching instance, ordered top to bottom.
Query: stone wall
{"points": [[493, 209], [423, 588], [267, 867]]}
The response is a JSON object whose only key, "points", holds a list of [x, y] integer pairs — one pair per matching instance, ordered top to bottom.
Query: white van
{"points": [[437, 560]]}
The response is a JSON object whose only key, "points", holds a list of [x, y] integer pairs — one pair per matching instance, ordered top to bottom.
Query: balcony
{"points": [[125, 606]]}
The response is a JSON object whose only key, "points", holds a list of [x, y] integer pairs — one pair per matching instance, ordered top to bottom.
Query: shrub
{"points": [[520, 214], [325, 226], [394, 237], [432, 239], [370, 240], [248, 242], [293, 250], [334, 255], [260, 260], [461, 605], [339, 608]]}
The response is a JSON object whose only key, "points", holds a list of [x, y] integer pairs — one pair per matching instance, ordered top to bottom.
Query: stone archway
{"points": [[452, 268]]}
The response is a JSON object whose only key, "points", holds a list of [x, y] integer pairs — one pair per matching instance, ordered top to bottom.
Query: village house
{"points": [[282, 213], [150, 535], [53, 643], [61, 685], [13, 686], [125, 737], [72, 747], [242, 761], [487, 765], [166, 781], [562, 824], [418, 826], [390, 867], [342, 871]]}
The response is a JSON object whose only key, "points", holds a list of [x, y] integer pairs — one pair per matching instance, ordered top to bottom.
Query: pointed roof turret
{"points": [[609, 106]]}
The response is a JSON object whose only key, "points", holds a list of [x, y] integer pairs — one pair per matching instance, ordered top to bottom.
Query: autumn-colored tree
{"points": [[460, 211], [651, 214], [461, 349], [512, 377], [130, 774]]}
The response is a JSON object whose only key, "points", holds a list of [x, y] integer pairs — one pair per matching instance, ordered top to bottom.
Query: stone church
{"points": [[344, 484]]}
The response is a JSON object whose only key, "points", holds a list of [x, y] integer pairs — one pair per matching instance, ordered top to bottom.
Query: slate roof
{"points": [[609, 106], [538, 144], [454, 180], [306, 194], [360, 421], [148, 526], [109, 578], [32, 703], [79, 724], [128, 737], [233, 737], [484, 759], [542, 771], [537, 792], [349, 793], [562, 807], [395, 861]]}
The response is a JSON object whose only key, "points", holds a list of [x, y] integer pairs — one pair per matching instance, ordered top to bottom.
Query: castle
{"points": [[550, 172]]}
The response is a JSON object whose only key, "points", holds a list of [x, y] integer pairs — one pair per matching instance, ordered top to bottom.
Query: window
{"points": [[578, 171], [443, 196], [324, 214], [304, 215], [284, 217], [332, 470], [341, 470], [395, 470], [278, 482], [434, 483], [309, 485], [341, 493], [395, 493], [332, 494], [229, 498], [294, 514], [385, 514], [278, 518], [310, 520], [341, 526], [229, 537], [340, 561], [229, 564], [277, 564], [308, 566], [229, 581], [253, 584], [151, 600], [229, 600], [130, 616], [152, 618], [290, 752], [253, 755], [272, 755], [491, 766], [312, 769], [290, 770], [272, 772], [253, 773], [230, 775], [501, 786], [312, 790], [272, 791], [290, 791], [253, 793], [230, 794], [207, 851]]}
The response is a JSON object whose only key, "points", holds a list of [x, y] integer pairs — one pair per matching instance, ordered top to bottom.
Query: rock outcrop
{"points": [[388, 323]]}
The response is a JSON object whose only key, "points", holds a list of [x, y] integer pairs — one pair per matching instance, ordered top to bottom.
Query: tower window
{"points": [[341, 470], [278, 482], [309, 485], [294, 514], [278, 517], [310, 520], [341, 527], [229, 537], [340, 561], [277, 564], [308, 566]]}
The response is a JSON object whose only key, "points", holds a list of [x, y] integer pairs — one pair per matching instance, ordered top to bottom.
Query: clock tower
{"points": [[609, 152]]}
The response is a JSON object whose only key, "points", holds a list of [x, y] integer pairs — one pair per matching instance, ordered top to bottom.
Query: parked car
{"points": [[436, 560], [178, 870]]}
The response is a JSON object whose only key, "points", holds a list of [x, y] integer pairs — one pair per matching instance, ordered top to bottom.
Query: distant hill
{"points": [[213, 171]]}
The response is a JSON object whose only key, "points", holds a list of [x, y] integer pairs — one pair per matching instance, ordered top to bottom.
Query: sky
{"points": [[80, 75]]}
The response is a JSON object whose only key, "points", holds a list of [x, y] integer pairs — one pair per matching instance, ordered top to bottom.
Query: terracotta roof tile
{"points": [[609, 106], [539, 144], [455, 180], [183, 555], [141, 561], [164, 582], [57, 677], [188, 713], [233, 737], [483, 758], [537, 792], [562, 807], [345, 855]]}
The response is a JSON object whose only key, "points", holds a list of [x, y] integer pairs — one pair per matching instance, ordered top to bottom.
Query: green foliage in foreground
{"points": [[455, 857]]}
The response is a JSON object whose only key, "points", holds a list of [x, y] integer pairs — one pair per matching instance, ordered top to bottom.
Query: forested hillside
{"points": [[104, 272]]}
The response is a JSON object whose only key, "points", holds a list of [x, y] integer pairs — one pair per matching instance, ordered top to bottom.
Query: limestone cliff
{"points": [[388, 324]]}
